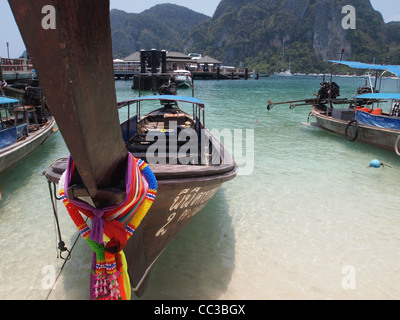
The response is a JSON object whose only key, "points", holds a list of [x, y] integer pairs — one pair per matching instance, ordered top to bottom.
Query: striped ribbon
{"points": [[112, 227]]}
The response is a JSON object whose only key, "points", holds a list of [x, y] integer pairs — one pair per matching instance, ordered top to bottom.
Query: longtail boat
{"points": [[75, 66], [363, 117], [22, 129], [380, 129], [190, 165]]}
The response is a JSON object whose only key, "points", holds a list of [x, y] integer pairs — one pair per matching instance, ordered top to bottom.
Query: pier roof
{"points": [[171, 55], [133, 57], [176, 57], [207, 60]]}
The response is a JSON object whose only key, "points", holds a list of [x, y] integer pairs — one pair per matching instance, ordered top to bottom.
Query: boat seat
{"points": [[25, 111], [174, 115], [178, 118], [193, 159]]}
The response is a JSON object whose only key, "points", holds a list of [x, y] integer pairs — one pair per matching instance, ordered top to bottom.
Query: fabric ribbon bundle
{"points": [[112, 227]]}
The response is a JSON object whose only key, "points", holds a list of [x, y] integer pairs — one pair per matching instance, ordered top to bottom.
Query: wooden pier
{"points": [[154, 68], [125, 69], [218, 74], [150, 81]]}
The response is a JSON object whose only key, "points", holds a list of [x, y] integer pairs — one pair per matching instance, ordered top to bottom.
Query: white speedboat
{"points": [[183, 78]]}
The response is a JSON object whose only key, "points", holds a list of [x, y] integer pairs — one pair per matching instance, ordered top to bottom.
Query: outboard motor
{"points": [[168, 88], [323, 92], [33, 96]]}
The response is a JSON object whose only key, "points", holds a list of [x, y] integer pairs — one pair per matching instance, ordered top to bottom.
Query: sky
{"points": [[390, 10]]}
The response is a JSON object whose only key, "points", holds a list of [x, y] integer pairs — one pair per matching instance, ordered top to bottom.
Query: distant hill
{"points": [[163, 26], [258, 32], [262, 34]]}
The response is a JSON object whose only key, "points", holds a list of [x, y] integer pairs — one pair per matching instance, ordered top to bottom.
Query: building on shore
{"points": [[174, 61], [162, 64]]}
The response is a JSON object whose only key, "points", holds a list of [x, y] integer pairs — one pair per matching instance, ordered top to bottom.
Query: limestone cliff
{"points": [[260, 33], [263, 34]]}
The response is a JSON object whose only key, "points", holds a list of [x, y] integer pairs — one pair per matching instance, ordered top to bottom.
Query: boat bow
{"points": [[75, 66]]}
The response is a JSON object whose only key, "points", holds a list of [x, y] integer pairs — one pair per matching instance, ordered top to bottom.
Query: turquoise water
{"points": [[305, 219]]}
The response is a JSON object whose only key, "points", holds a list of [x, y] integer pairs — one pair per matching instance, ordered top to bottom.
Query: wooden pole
{"points": [[74, 63]]}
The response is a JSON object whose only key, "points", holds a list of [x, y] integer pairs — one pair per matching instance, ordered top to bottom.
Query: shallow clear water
{"points": [[305, 219]]}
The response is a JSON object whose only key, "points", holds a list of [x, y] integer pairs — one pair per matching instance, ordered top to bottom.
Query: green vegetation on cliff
{"points": [[162, 27], [263, 34]]}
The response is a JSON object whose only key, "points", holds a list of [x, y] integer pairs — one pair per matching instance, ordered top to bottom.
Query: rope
{"points": [[61, 243], [61, 270]]}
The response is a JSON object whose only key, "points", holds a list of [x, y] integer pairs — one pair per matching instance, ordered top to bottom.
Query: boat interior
{"points": [[29, 110], [347, 111], [20, 118], [171, 136]]}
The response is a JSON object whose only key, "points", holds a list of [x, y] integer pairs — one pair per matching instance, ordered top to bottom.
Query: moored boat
{"points": [[286, 73], [183, 78], [359, 118], [362, 118], [22, 129], [381, 129], [190, 165], [102, 180]]}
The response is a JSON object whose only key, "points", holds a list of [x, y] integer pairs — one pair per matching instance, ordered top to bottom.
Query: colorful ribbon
{"points": [[112, 227]]}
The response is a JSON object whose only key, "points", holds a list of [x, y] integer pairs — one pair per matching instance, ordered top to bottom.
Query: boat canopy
{"points": [[360, 65], [394, 69], [379, 96], [170, 98], [5, 100]]}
